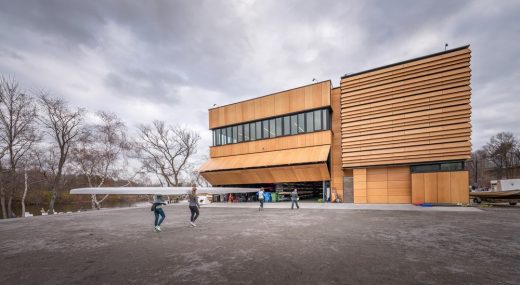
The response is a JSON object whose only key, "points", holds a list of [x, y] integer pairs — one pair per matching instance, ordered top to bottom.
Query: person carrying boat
{"points": [[158, 201], [194, 205]]}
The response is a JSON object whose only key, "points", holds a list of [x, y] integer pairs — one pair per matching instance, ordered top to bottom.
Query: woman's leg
{"points": [[196, 211], [192, 213], [163, 216], [156, 217]]}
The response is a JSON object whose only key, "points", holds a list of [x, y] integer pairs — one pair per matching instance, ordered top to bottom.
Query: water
{"points": [[36, 210]]}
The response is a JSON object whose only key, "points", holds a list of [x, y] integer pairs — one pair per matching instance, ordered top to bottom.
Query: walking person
{"points": [[261, 198], [294, 199], [158, 201], [194, 206]]}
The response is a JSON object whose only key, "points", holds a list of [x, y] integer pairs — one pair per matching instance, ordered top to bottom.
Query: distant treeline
{"points": [[48, 147], [498, 159]]}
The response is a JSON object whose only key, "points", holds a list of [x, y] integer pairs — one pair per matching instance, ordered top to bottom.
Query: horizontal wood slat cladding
{"points": [[295, 100], [418, 111], [288, 142], [303, 155], [336, 171], [297, 173], [384, 185], [440, 187]]}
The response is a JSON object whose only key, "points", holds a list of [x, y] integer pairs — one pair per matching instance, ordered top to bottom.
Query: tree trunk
{"points": [[26, 186], [54, 190], [10, 192], [54, 194], [93, 201], [101, 201], [2, 202], [10, 212]]}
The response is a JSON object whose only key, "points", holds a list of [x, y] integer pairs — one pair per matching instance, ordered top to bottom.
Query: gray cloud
{"points": [[172, 60]]}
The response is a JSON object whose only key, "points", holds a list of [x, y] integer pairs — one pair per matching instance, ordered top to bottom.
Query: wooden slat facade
{"points": [[295, 100], [414, 112], [281, 143], [304, 155], [296, 173]]}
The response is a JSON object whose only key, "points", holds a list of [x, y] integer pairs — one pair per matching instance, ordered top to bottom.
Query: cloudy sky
{"points": [[172, 60]]}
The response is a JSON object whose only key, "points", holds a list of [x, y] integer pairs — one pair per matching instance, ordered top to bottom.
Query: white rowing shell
{"points": [[160, 190]]}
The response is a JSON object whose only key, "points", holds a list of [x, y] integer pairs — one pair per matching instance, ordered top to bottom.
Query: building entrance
{"points": [[306, 191]]}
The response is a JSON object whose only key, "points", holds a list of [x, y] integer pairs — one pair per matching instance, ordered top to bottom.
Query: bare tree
{"points": [[62, 125], [18, 134], [166, 150], [98, 151], [501, 152], [477, 168], [194, 176], [198, 180], [3, 193]]}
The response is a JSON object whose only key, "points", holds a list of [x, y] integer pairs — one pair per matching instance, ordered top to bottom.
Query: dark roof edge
{"points": [[406, 61], [290, 89]]}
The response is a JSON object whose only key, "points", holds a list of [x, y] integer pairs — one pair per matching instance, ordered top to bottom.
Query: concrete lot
{"points": [[276, 246]]}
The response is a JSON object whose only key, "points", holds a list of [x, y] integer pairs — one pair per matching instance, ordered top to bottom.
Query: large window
{"points": [[326, 119], [317, 120], [305, 122], [301, 123], [309, 123], [294, 124], [286, 125], [252, 126], [265, 126], [278, 128], [258, 130], [272, 131], [246, 132], [240, 133], [235, 134], [229, 135], [437, 167]]}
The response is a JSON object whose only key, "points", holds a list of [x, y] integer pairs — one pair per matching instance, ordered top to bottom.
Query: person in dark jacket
{"points": [[294, 198], [261, 199], [158, 201], [194, 206]]}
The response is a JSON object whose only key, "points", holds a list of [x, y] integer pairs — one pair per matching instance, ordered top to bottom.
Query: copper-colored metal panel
{"points": [[303, 98], [296, 141], [272, 158], [297, 173], [336, 179], [459, 186], [430, 187], [443, 187], [418, 188]]}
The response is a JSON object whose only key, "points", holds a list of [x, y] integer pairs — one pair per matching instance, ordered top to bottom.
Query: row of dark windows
{"points": [[306, 122], [437, 167]]}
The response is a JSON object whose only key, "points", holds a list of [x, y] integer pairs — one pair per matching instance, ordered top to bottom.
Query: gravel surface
{"points": [[275, 246]]}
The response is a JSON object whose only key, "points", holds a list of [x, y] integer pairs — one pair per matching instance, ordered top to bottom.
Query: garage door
{"points": [[384, 185], [440, 187]]}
